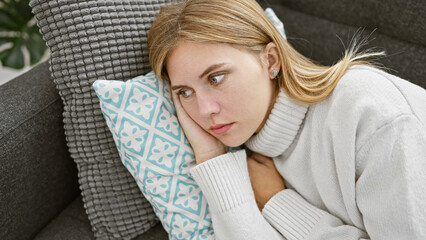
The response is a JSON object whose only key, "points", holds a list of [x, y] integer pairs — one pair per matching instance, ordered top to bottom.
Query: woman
{"points": [[349, 140]]}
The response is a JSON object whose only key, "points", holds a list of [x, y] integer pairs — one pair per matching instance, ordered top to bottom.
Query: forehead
{"points": [[191, 58]]}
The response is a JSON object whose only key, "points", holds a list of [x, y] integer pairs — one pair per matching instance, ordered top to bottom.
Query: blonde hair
{"points": [[244, 23]]}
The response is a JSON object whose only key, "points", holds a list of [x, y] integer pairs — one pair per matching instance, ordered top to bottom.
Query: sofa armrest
{"points": [[38, 179]]}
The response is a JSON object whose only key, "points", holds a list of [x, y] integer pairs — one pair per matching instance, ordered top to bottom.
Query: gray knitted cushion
{"points": [[92, 40]]}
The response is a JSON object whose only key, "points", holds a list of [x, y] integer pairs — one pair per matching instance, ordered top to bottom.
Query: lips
{"points": [[221, 128]]}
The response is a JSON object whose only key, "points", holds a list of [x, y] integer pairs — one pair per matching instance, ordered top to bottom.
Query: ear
{"points": [[273, 59]]}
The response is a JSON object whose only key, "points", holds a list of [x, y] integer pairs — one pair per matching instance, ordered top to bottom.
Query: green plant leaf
{"points": [[24, 10], [19, 11], [15, 16], [8, 21], [4, 40], [35, 45], [13, 57]]}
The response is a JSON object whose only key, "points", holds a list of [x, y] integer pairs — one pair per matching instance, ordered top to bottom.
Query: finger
{"points": [[176, 101], [181, 113]]}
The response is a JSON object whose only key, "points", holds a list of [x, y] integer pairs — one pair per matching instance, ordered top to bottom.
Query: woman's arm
{"points": [[225, 183], [390, 191], [296, 218]]}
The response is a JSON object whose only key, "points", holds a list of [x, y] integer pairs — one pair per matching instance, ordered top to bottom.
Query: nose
{"points": [[208, 105]]}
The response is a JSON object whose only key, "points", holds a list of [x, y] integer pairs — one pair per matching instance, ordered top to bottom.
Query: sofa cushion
{"points": [[400, 19], [325, 37], [92, 40], [72, 224]]}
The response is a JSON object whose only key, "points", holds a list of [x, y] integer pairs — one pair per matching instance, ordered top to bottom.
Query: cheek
{"points": [[253, 95], [256, 101], [191, 109]]}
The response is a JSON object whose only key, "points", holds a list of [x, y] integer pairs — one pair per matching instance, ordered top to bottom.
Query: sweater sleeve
{"points": [[226, 185], [391, 188], [390, 191], [297, 219]]}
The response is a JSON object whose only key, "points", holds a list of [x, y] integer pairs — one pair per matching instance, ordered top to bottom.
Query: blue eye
{"points": [[216, 79], [185, 93]]}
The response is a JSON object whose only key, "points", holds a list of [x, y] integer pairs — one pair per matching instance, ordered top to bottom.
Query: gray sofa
{"points": [[39, 190]]}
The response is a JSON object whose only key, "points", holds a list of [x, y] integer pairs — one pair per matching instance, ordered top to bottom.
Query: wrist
{"points": [[206, 155], [229, 171], [261, 203]]}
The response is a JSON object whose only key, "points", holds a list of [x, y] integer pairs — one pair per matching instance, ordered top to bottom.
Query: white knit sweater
{"points": [[354, 166]]}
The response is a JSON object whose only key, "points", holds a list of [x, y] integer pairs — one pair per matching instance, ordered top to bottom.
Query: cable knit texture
{"points": [[354, 166]]}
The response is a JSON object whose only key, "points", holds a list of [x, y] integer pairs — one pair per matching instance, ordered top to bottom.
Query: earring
{"points": [[274, 73]]}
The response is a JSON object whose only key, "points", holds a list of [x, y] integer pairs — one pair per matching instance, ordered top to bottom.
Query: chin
{"points": [[233, 142]]}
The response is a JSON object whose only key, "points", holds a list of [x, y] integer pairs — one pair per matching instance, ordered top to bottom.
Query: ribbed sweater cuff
{"points": [[224, 181], [291, 215]]}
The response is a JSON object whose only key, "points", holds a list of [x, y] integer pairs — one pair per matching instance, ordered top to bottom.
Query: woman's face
{"points": [[226, 90]]}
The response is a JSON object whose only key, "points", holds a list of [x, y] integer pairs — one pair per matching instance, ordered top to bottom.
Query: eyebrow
{"points": [[211, 68], [207, 71]]}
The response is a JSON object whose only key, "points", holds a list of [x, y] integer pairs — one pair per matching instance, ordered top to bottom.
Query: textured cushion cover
{"points": [[92, 40]]}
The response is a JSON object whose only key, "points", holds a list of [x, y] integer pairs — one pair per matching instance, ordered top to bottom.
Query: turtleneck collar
{"points": [[281, 127]]}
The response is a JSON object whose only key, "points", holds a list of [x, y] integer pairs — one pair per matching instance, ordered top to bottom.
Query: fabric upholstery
{"points": [[403, 20], [323, 30], [90, 40], [35, 166], [75, 218], [73, 224]]}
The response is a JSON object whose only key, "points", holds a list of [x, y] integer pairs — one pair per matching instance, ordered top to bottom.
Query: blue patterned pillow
{"points": [[276, 21], [153, 148]]}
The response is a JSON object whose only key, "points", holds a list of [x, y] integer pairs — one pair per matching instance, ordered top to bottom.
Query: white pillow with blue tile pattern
{"points": [[276, 21], [153, 148]]}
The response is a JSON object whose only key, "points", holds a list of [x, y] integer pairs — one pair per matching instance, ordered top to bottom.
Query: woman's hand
{"points": [[204, 145], [266, 181]]}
